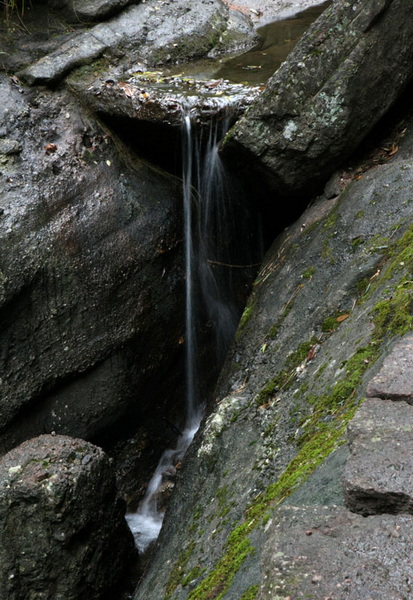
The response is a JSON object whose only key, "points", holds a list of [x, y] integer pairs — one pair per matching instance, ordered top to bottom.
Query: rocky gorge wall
{"points": [[296, 485]]}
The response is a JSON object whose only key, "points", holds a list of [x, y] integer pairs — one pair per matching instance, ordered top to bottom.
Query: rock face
{"points": [[79, 10], [142, 33], [335, 85], [90, 238], [394, 381], [378, 474], [272, 478], [63, 533], [328, 552]]}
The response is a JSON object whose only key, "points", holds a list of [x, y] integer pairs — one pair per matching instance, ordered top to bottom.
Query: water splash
{"points": [[146, 523]]}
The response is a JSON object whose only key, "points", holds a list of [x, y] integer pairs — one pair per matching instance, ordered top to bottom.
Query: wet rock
{"points": [[144, 33], [334, 86], [161, 99], [90, 239], [307, 345], [395, 379], [378, 474], [63, 533], [328, 552]]}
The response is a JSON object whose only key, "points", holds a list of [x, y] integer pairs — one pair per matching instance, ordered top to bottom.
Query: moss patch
{"points": [[308, 273], [284, 378], [177, 574], [251, 593]]}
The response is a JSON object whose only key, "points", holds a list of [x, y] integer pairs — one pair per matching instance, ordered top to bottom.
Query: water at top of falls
{"points": [[204, 199]]}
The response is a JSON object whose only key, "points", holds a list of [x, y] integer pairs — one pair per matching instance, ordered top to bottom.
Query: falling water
{"points": [[208, 297]]}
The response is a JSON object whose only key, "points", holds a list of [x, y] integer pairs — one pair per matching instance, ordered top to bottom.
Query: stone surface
{"points": [[79, 10], [264, 11], [143, 33], [333, 87], [159, 99], [90, 238], [395, 379], [381, 420], [378, 474], [63, 533], [327, 552]]}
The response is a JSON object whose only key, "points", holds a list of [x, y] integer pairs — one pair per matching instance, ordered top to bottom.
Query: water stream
{"points": [[206, 195]]}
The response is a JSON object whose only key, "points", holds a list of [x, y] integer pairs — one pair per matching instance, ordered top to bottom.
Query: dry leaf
{"points": [[127, 89], [342, 318]]}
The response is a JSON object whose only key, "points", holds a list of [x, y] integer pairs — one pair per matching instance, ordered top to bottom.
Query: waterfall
{"points": [[207, 206]]}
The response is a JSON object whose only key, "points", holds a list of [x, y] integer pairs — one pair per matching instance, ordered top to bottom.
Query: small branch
{"points": [[221, 264]]}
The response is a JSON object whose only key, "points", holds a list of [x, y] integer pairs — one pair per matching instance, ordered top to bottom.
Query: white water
{"points": [[146, 523]]}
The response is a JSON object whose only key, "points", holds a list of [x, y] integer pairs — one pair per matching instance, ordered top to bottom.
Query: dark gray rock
{"points": [[92, 10], [143, 33], [340, 79], [90, 239], [395, 379], [378, 474], [63, 533], [331, 553]]}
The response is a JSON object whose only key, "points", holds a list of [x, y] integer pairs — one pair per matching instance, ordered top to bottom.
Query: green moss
{"points": [[359, 214], [331, 221], [356, 242], [378, 243], [326, 250], [401, 255], [308, 273], [362, 287], [246, 315], [393, 315], [330, 324], [273, 332], [284, 378], [342, 397], [325, 425], [224, 495], [195, 518], [238, 545], [237, 548], [177, 573], [193, 574], [251, 593]]}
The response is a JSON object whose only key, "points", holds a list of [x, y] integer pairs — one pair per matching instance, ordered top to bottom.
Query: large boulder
{"points": [[340, 79], [91, 273], [63, 533]]}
